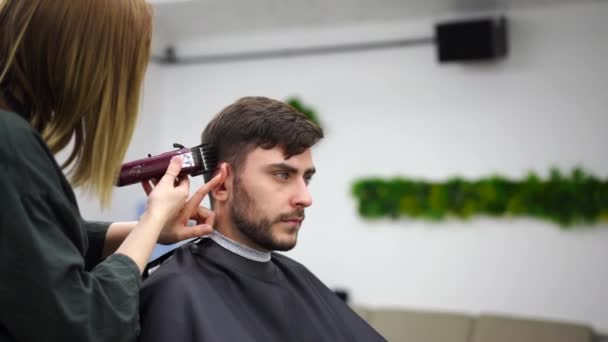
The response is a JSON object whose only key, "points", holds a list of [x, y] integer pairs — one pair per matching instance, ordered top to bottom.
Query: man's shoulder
{"points": [[284, 261], [287, 261], [170, 270]]}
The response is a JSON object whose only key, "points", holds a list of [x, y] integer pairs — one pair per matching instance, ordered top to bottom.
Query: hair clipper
{"points": [[198, 160]]}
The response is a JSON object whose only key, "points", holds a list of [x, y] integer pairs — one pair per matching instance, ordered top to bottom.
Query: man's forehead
{"points": [[275, 156]]}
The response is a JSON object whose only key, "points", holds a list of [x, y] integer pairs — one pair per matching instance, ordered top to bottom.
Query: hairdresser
{"points": [[71, 73]]}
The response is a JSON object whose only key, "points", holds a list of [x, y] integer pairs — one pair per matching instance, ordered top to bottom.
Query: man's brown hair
{"points": [[253, 122]]}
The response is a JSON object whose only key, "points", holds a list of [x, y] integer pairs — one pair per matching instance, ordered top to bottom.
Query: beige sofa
{"points": [[421, 326]]}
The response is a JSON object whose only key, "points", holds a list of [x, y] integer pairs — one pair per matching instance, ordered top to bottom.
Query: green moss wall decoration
{"points": [[567, 200]]}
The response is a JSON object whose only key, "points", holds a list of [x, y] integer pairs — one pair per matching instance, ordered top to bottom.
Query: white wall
{"points": [[398, 112]]}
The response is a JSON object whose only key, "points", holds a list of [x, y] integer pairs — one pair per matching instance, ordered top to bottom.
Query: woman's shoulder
{"points": [[12, 120], [16, 135], [24, 153]]}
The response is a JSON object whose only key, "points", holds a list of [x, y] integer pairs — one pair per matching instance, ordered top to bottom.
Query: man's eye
{"points": [[282, 175], [307, 180]]}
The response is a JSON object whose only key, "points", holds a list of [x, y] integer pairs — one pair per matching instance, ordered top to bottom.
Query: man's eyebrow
{"points": [[291, 169]]}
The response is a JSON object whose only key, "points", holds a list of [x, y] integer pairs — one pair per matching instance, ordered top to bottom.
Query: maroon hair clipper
{"points": [[198, 160]]}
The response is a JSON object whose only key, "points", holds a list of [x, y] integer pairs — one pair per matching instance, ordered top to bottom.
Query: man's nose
{"points": [[302, 197]]}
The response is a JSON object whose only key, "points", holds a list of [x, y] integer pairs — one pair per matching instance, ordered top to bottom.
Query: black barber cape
{"points": [[208, 293]]}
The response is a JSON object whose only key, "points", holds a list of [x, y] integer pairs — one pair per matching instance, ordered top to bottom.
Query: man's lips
{"points": [[294, 219]]}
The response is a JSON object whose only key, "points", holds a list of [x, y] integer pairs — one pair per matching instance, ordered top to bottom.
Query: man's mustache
{"points": [[298, 213]]}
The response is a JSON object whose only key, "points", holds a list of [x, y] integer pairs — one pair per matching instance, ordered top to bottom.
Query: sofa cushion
{"points": [[420, 326], [495, 328]]}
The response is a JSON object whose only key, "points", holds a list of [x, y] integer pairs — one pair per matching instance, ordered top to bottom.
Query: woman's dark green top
{"points": [[54, 285]]}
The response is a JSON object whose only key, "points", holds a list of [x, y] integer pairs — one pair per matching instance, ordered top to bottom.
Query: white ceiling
{"points": [[186, 19]]}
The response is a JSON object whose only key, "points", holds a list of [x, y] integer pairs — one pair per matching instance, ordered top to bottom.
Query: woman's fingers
{"points": [[175, 166], [184, 183], [147, 187], [204, 189], [168, 196], [194, 202], [205, 215], [194, 232]]}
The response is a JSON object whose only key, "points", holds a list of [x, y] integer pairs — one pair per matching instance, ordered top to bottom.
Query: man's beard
{"points": [[258, 231]]}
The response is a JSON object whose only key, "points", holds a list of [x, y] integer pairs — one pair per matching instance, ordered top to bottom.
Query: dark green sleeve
{"points": [[96, 233], [46, 292]]}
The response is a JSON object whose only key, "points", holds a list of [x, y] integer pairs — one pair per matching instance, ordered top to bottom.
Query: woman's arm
{"points": [[115, 235]]}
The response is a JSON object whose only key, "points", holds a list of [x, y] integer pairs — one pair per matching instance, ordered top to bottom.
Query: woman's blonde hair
{"points": [[78, 66]]}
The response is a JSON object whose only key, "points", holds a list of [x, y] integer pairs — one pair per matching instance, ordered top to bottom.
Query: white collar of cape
{"points": [[239, 249]]}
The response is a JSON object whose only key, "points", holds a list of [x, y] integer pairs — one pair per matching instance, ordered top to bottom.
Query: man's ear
{"points": [[221, 191]]}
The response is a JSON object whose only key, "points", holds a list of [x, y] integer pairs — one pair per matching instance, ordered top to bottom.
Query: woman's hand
{"points": [[168, 196], [176, 228]]}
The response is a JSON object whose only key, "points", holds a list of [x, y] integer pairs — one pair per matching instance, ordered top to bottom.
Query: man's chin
{"points": [[285, 243], [284, 248]]}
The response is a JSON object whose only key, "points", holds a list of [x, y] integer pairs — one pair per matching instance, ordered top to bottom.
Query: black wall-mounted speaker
{"points": [[472, 40]]}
